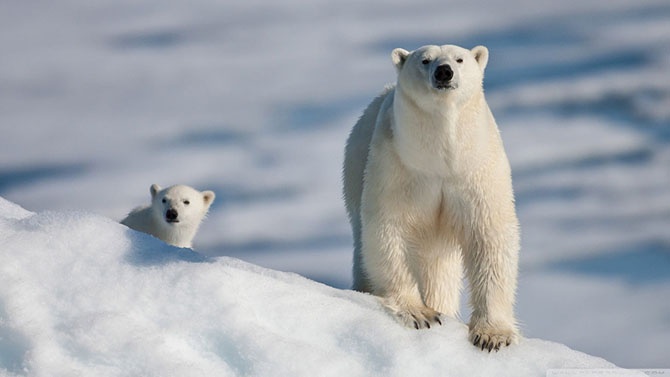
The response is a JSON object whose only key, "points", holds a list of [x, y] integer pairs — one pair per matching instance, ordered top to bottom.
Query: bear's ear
{"points": [[481, 54], [399, 57], [154, 190], [208, 197]]}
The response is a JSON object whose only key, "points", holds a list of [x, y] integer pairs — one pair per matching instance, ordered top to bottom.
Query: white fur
{"points": [[428, 189], [191, 207]]}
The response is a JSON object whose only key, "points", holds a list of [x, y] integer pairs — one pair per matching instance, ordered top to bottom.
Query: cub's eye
{"points": [[459, 60], [425, 61], [164, 201], [186, 202]]}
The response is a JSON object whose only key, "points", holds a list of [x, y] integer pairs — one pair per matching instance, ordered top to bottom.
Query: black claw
{"points": [[437, 319], [427, 324], [416, 325], [476, 341], [508, 342], [483, 345], [490, 347], [497, 347]]}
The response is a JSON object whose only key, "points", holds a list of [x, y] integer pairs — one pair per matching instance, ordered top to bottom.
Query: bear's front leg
{"points": [[491, 261], [387, 266], [492, 324]]}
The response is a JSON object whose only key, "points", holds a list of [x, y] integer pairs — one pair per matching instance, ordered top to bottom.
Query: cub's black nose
{"points": [[443, 74], [171, 214]]}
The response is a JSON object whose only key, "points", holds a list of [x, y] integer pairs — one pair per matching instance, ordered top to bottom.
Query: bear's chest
{"points": [[436, 146], [436, 205]]}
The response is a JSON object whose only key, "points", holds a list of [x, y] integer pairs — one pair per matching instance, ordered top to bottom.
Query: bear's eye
{"points": [[459, 60], [425, 61], [164, 201], [187, 202]]}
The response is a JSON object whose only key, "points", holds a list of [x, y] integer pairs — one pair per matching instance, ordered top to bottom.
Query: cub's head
{"points": [[441, 70], [180, 205]]}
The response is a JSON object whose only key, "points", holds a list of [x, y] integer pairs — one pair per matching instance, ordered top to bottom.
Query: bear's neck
{"points": [[431, 135]]}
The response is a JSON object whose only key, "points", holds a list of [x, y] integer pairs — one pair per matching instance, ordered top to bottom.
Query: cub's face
{"points": [[441, 70], [180, 205]]}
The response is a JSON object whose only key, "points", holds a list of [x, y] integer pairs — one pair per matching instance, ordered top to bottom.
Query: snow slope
{"points": [[254, 100], [83, 295]]}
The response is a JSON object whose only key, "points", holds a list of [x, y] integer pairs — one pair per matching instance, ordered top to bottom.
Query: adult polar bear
{"points": [[427, 186]]}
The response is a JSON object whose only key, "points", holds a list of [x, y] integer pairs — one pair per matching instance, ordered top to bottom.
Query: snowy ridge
{"points": [[83, 295]]}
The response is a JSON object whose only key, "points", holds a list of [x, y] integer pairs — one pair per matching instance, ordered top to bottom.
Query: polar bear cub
{"points": [[428, 188], [174, 215]]}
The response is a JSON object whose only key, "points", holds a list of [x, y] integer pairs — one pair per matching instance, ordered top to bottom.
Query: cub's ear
{"points": [[481, 54], [399, 57], [154, 190], [208, 197]]}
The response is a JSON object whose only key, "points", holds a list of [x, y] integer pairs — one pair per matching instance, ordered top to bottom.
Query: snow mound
{"points": [[83, 295]]}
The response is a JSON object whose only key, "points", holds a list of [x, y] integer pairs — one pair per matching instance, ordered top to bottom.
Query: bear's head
{"points": [[446, 70], [180, 205]]}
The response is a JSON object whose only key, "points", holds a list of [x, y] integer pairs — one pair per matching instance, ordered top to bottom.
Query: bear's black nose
{"points": [[443, 74], [171, 214]]}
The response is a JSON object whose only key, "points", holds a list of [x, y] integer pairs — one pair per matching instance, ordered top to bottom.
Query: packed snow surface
{"points": [[83, 295]]}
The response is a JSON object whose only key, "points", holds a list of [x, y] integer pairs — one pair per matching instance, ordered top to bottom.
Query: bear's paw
{"points": [[415, 316], [493, 337]]}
